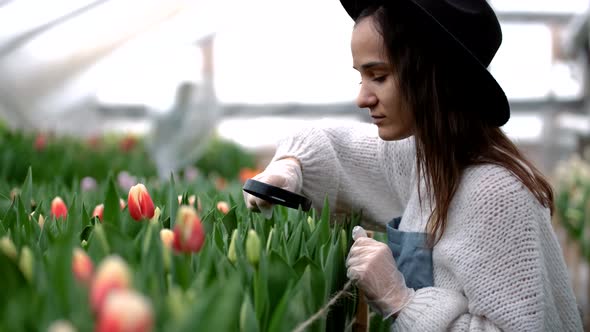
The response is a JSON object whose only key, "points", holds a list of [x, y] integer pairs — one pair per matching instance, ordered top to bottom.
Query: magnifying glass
{"points": [[276, 195]]}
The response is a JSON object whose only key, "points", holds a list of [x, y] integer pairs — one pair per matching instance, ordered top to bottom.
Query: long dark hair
{"points": [[450, 134]]}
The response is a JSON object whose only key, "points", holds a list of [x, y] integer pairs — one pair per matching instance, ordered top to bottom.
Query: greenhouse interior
{"points": [[128, 130]]}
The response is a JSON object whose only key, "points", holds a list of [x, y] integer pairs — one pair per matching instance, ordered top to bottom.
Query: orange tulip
{"points": [[248, 173], [140, 203], [223, 207], [58, 208], [98, 211], [189, 234], [82, 266], [112, 273], [126, 311]]}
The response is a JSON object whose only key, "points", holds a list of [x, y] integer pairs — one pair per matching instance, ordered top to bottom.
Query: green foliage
{"points": [[298, 270]]}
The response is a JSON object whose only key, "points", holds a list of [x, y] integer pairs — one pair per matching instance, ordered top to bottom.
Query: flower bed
{"points": [[166, 260]]}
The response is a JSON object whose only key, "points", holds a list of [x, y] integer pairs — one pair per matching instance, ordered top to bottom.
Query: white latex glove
{"points": [[282, 173], [370, 263]]}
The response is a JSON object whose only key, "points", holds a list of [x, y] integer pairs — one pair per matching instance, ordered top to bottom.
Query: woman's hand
{"points": [[282, 173], [370, 263]]}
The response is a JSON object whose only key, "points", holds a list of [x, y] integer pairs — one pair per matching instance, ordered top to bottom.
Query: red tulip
{"points": [[40, 142], [248, 173], [140, 203], [58, 208], [98, 211], [189, 234], [82, 266], [112, 273], [126, 311]]}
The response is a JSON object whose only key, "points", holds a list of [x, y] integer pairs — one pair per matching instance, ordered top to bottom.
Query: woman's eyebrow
{"points": [[372, 64]]}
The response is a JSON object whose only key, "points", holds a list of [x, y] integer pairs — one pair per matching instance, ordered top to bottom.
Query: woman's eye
{"points": [[380, 79]]}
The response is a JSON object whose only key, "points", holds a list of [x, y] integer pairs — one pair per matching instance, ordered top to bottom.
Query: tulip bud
{"points": [[88, 184], [14, 193], [191, 200], [122, 203], [140, 203], [223, 207], [58, 208], [98, 211], [156, 216], [41, 221], [311, 223], [189, 234], [167, 237], [269, 239], [253, 247], [8, 248], [231, 252], [25, 263], [82, 266], [112, 273], [126, 311], [61, 326]]}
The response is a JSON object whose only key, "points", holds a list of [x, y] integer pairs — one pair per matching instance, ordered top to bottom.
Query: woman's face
{"points": [[379, 90]]}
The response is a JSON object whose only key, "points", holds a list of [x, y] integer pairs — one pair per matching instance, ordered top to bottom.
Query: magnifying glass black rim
{"points": [[276, 195]]}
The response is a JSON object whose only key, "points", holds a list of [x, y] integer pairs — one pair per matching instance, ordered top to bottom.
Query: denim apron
{"points": [[412, 255]]}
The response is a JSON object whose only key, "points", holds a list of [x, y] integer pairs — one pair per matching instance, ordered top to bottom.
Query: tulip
{"points": [[40, 142], [191, 173], [248, 173], [125, 180], [88, 184], [14, 193], [191, 200], [122, 203], [140, 203], [223, 207], [59, 208], [98, 211], [156, 216], [41, 221], [311, 223], [189, 234], [167, 237], [8, 247], [253, 247], [231, 252], [25, 263], [82, 266], [112, 273], [126, 311], [61, 326]]}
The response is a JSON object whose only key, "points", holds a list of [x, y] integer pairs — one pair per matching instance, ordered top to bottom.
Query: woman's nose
{"points": [[365, 99]]}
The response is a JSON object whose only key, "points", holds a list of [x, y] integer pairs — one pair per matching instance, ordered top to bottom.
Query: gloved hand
{"points": [[283, 173], [370, 263]]}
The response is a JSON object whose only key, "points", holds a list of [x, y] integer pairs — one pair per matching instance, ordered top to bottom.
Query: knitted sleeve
{"points": [[346, 165], [493, 247]]}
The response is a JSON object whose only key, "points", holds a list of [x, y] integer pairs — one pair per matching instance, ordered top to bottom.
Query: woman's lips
{"points": [[377, 119]]}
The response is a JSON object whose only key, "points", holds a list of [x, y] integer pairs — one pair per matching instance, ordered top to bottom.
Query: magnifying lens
{"points": [[276, 195]]}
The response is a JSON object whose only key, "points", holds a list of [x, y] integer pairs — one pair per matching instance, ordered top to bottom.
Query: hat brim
{"points": [[484, 93]]}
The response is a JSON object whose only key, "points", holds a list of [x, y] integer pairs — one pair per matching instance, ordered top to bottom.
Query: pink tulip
{"points": [[140, 203], [223, 207], [58, 208], [98, 211], [189, 234], [82, 266], [112, 273], [125, 311]]}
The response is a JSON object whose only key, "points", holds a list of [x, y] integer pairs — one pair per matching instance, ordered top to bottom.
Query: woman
{"points": [[470, 246]]}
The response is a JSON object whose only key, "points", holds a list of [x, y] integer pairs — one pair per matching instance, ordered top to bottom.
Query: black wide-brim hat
{"points": [[470, 31]]}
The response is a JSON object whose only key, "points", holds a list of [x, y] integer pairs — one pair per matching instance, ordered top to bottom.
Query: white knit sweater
{"points": [[498, 265]]}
